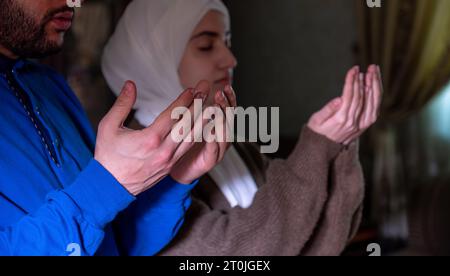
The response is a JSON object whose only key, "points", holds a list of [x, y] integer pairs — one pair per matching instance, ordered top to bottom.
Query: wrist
{"points": [[184, 180], [134, 189]]}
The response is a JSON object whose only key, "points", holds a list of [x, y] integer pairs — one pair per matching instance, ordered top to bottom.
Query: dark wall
{"points": [[292, 53]]}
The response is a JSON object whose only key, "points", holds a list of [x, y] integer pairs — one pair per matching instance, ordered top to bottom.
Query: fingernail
{"points": [[127, 88], [232, 90], [200, 95]]}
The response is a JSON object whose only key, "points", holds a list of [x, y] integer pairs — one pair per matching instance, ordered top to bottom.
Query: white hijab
{"points": [[147, 47]]}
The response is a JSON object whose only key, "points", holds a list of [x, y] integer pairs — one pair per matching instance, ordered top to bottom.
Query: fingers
{"points": [[372, 69], [377, 92], [231, 95], [347, 95], [221, 99], [361, 99], [368, 99], [372, 101], [355, 103], [368, 105], [122, 107], [359, 107], [227, 108], [367, 117], [352, 122], [164, 123], [224, 124], [186, 131], [222, 132], [190, 139], [212, 151]]}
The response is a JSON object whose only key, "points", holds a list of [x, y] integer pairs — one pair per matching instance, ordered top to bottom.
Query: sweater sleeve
{"points": [[343, 210], [284, 213]]}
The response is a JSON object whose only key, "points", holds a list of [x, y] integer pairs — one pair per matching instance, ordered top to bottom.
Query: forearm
{"points": [[343, 211], [76, 215], [282, 217]]}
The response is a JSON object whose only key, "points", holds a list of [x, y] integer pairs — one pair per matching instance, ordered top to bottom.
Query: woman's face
{"points": [[207, 55]]}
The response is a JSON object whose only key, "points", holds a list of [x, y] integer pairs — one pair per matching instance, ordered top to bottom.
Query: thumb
{"points": [[123, 105], [329, 110]]}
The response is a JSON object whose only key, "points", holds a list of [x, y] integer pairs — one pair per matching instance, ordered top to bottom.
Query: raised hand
{"points": [[346, 118], [206, 155], [139, 159]]}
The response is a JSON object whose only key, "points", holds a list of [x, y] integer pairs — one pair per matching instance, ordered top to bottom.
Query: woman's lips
{"points": [[62, 21], [224, 81]]}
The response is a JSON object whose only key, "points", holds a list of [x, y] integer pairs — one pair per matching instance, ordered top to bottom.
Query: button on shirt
{"points": [[53, 195]]}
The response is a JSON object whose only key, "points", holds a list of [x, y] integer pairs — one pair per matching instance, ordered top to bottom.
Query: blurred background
{"points": [[294, 54]]}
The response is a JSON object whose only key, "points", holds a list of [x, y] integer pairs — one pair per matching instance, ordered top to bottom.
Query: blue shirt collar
{"points": [[6, 64]]}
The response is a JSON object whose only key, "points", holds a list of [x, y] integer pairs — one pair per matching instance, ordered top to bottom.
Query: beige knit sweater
{"points": [[309, 204]]}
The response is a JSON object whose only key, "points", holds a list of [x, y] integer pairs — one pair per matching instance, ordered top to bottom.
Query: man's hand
{"points": [[345, 119], [205, 156], [140, 159]]}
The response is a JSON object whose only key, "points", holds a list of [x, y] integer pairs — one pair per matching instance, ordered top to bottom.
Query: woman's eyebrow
{"points": [[206, 33], [211, 34]]}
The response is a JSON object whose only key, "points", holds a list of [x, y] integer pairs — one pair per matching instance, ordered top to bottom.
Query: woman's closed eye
{"points": [[205, 43], [210, 45], [206, 48]]}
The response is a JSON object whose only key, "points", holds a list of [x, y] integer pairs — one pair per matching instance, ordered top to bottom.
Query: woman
{"points": [[308, 204]]}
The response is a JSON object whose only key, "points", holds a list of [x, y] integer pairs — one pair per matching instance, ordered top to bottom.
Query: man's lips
{"points": [[62, 21]]}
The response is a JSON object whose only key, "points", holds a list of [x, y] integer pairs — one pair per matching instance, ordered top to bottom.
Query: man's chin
{"points": [[56, 38], [53, 45], [49, 52], [40, 53]]}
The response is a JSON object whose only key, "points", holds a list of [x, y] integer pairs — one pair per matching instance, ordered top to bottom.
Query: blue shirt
{"points": [[55, 199]]}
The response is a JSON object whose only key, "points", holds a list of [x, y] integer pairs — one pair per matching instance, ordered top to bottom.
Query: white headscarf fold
{"points": [[147, 47]]}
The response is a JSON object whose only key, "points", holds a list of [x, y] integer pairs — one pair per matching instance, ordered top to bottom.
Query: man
{"points": [[61, 189]]}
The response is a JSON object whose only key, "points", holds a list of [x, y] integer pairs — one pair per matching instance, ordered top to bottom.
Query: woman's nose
{"points": [[228, 60]]}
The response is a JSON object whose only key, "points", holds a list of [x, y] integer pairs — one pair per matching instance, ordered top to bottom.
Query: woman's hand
{"points": [[345, 119], [206, 155]]}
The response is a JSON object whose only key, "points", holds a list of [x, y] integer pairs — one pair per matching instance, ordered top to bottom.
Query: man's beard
{"points": [[22, 35]]}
